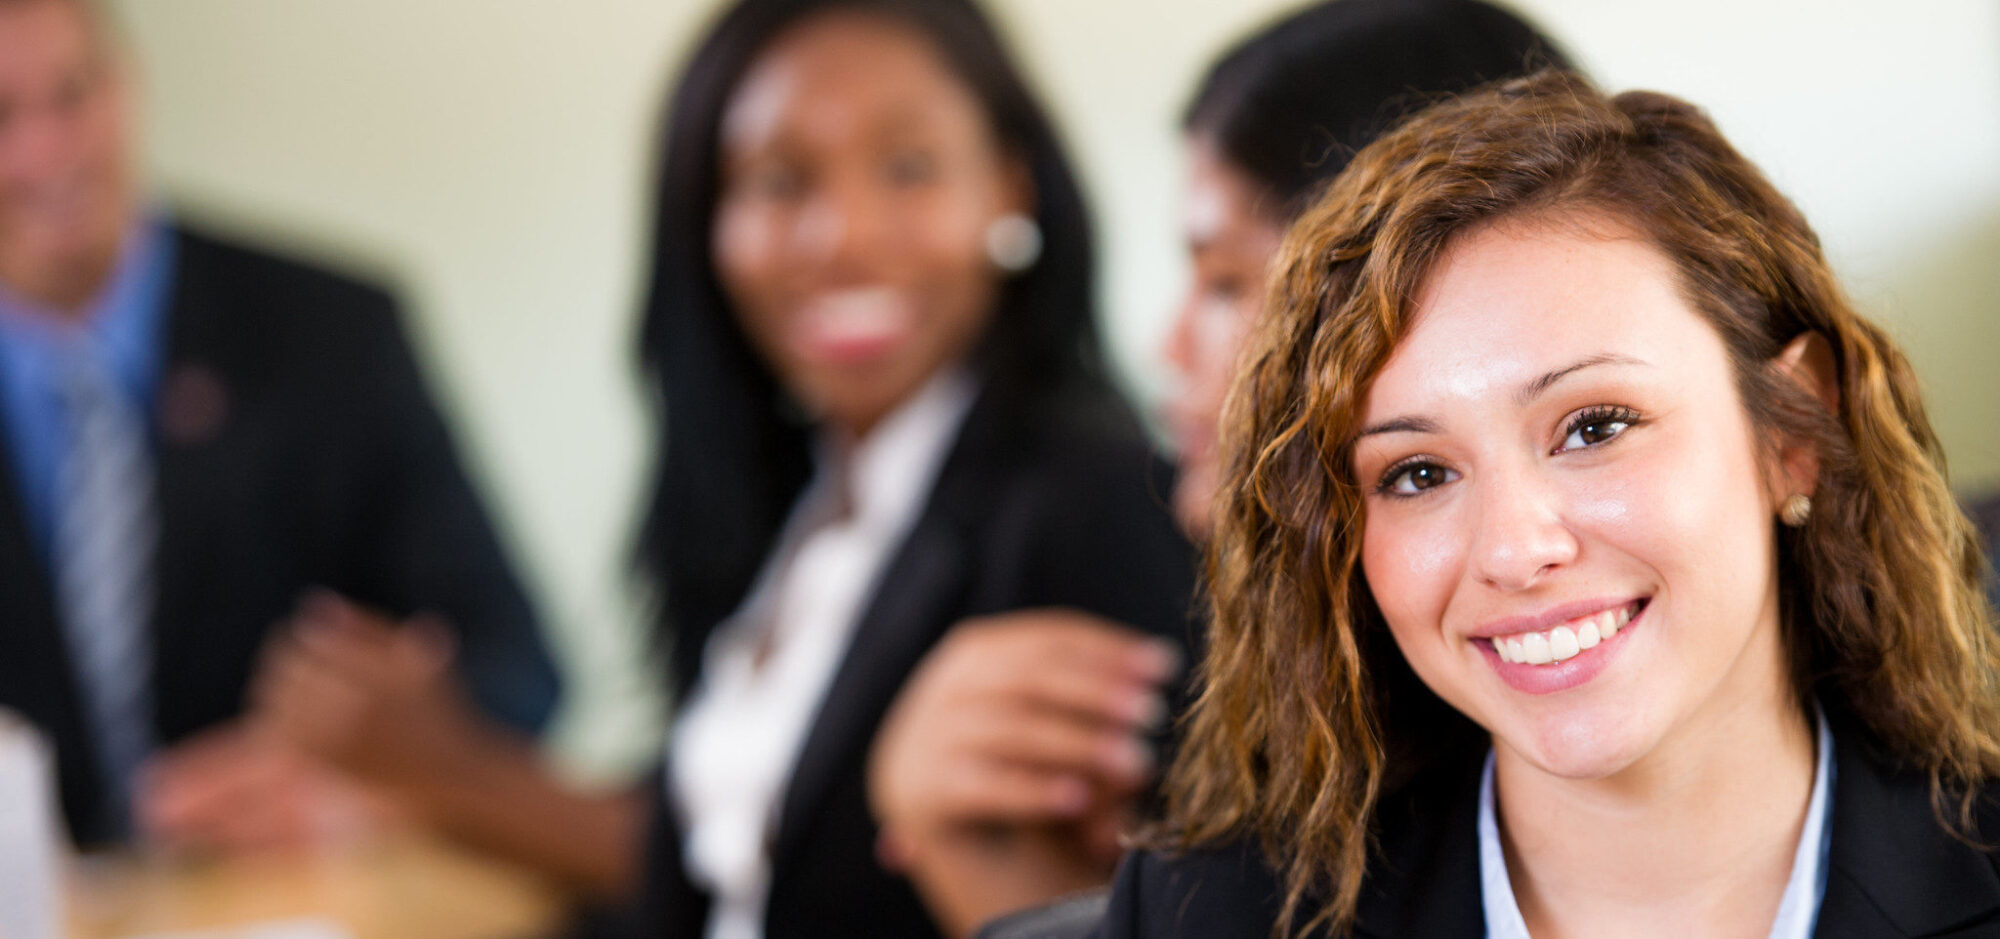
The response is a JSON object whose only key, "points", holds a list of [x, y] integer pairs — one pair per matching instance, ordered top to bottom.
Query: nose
{"points": [[843, 225], [1177, 347], [1521, 536]]}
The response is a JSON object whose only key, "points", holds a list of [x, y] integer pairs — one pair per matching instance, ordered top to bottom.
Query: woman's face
{"points": [[859, 178], [1231, 238], [1556, 458]]}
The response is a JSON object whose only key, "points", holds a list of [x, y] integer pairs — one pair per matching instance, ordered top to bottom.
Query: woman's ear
{"points": [[1808, 362]]}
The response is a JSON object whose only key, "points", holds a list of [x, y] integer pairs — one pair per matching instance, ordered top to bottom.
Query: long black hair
{"points": [[1291, 104], [735, 448]]}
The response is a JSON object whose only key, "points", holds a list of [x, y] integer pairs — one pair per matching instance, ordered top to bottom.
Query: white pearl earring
{"points": [[1013, 242], [1796, 510]]}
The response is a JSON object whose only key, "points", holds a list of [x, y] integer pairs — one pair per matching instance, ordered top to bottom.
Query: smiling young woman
{"points": [[1585, 566]]}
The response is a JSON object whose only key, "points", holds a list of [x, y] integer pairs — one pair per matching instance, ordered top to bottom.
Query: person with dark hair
{"points": [[1273, 120], [884, 414], [194, 436], [1584, 564]]}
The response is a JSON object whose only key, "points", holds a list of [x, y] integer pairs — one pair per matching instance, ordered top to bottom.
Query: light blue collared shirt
{"points": [[120, 329], [1798, 909]]}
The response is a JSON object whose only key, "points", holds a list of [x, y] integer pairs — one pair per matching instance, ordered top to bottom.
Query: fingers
{"points": [[1042, 637], [1056, 660], [1113, 699], [319, 708], [1057, 742], [1011, 792], [195, 793], [246, 793]]}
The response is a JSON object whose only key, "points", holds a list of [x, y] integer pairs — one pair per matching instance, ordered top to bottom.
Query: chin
{"points": [[1581, 745]]}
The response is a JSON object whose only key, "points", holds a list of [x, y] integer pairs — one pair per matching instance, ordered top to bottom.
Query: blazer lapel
{"points": [[191, 411], [921, 593], [913, 603], [1892, 869], [1425, 879]]}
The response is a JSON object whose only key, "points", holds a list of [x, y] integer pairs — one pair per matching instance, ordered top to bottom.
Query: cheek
{"points": [[949, 233], [744, 245], [1217, 337], [1696, 521], [1413, 568]]}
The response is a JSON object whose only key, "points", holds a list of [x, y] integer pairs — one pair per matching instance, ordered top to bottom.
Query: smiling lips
{"points": [[854, 324], [1564, 642]]}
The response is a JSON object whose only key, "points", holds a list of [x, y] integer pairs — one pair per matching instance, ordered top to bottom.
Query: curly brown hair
{"points": [[1307, 714]]}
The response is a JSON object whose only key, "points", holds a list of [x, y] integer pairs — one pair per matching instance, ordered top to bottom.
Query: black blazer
{"points": [[295, 446], [1058, 503], [1892, 870]]}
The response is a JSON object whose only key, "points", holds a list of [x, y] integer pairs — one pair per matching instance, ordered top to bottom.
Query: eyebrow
{"points": [[1534, 388], [1528, 392], [1401, 425]]}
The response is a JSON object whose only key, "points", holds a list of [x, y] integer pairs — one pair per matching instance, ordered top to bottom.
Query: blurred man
{"points": [[194, 436]]}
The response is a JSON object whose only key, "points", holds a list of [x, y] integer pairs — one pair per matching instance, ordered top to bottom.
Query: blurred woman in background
{"points": [[884, 411], [884, 417], [1584, 565]]}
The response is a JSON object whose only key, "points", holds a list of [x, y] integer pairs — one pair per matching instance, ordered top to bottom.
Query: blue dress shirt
{"points": [[120, 329]]}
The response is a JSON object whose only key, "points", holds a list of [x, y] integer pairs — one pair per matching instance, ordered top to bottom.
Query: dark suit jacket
{"points": [[295, 446], [1057, 504], [1892, 870]]}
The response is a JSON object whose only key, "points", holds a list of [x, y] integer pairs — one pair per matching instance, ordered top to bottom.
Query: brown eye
{"points": [[1595, 426], [1413, 478]]}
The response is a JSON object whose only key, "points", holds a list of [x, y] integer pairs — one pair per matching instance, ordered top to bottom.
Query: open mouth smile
{"points": [[1566, 641], [1564, 655]]}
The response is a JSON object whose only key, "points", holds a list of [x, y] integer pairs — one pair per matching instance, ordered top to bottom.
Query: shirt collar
{"points": [[120, 327], [901, 454], [1798, 909]]}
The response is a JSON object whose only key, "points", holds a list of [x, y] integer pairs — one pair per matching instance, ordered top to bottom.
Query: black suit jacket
{"points": [[295, 446], [1056, 503], [1892, 869]]}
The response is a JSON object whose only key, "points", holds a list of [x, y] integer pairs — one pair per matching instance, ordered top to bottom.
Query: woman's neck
{"points": [[1696, 838]]}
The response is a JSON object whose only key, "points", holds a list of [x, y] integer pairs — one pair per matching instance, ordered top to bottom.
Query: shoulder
{"points": [[227, 264], [253, 311], [1083, 431], [1065, 501], [1896, 852], [1219, 892]]}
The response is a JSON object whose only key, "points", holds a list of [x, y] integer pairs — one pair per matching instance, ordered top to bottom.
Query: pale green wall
{"points": [[490, 154]]}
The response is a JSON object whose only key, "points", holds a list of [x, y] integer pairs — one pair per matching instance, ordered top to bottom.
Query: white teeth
{"points": [[858, 315], [1562, 643], [1535, 649]]}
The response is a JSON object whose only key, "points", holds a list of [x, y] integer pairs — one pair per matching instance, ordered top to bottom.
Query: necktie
{"points": [[105, 536]]}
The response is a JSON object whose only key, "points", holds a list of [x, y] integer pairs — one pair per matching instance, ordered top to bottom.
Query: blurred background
{"points": [[490, 159]]}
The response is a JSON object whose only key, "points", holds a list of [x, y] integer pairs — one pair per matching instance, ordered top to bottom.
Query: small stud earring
{"points": [[1013, 242], [1796, 510]]}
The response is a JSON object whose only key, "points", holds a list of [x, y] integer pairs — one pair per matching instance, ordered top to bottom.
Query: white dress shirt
{"points": [[767, 668], [1798, 908]]}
